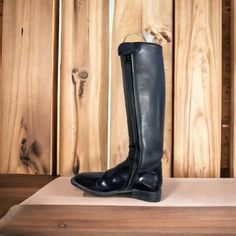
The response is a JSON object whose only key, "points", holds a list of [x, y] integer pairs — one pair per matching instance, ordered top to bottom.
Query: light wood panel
{"points": [[133, 18], [126, 21], [1, 24], [198, 82], [27, 86], [84, 86], [233, 91]]}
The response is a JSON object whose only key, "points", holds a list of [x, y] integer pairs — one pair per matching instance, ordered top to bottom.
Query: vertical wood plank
{"points": [[159, 15], [132, 18], [126, 21], [1, 24], [84, 82], [198, 82], [27, 86], [226, 88], [233, 91]]}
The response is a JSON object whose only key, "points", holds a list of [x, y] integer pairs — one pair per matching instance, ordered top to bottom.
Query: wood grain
{"points": [[132, 18], [126, 21], [1, 23], [1, 26], [84, 81], [198, 85], [27, 86], [226, 88], [233, 92], [15, 188], [107, 220]]}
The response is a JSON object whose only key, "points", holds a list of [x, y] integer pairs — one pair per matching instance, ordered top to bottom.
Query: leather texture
{"points": [[144, 90]]}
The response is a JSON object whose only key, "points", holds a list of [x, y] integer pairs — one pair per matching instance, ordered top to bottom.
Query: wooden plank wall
{"points": [[132, 18], [1, 22], [198, 80], [27, 86], [84, 86], [195, 142]]}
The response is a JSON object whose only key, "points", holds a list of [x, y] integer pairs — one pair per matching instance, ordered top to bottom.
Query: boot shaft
{"points": [[144, 88]]}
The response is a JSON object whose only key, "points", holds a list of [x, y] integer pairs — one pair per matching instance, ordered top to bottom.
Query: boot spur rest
{"points": [[140, 174]]}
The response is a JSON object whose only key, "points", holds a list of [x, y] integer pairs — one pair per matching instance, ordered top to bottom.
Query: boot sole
{"points": [[132, 193]]}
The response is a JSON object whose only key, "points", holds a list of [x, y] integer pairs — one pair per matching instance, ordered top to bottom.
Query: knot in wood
{"points": [[75, 70], [83, 74], [62, 225]]}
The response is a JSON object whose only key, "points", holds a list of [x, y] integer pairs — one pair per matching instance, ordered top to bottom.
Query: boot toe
{"points": [[86, 179]]}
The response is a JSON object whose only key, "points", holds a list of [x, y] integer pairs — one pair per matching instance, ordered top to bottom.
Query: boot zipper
{"points": [[128, 61]]}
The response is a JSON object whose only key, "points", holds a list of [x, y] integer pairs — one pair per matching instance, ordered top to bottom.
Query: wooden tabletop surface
{"points": [[16, 188], [106, 220]]}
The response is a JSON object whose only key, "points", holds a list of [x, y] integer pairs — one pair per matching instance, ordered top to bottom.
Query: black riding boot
{"points": [[140, 174]]}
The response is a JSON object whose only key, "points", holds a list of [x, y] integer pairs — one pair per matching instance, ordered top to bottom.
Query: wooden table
{"points": [[16, 188], [109, 220]]}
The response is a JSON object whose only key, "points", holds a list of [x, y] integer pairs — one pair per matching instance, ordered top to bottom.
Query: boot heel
{"points": [[147, 196]]}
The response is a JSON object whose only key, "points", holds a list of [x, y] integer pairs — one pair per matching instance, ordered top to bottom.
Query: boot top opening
{"points": [[130, 47]]}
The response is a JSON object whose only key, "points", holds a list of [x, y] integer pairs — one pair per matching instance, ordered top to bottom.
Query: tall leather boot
{"points": [[140, 174]]}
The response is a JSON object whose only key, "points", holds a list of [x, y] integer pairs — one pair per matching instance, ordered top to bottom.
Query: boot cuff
{"points": [[130, 47]]}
